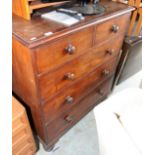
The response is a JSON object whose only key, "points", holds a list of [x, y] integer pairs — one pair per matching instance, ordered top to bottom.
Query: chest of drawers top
{"points": [[34, 32]]}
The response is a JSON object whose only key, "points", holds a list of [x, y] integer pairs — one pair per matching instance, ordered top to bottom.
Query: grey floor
{"points": [[82, 139]]}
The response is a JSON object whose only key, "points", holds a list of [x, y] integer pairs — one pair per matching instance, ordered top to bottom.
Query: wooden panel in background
{"points": [[21, 8], [22, 138]]}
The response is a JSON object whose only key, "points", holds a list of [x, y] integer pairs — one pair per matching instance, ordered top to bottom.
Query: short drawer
{"points": [[111, 28], [52, 55], [66, 75], [69, 97], [68, 118]]}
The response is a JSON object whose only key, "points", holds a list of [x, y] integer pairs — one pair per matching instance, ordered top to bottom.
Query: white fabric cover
{"points": [[123, 135]]}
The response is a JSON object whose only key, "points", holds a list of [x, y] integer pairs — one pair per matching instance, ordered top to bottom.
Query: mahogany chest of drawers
{"points": [[62, 72]]}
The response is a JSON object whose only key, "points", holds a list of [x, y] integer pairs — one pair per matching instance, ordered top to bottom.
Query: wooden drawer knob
{"points": [[115, 28], [70, 49], [110, 51], [105, 72], [70, 76], [101, 91], [69, 99], [68, 118]]}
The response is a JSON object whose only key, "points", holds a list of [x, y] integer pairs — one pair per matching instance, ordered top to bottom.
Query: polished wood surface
{"points": [[110, 28], [32, 33], [50, 56], [23, 70], [58, 75], [24, 82], [52, 82], [59, 103], [80, 109], [22, 138]]}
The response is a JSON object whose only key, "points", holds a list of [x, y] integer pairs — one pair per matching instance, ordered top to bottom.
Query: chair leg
{"points": [[125, 52]]}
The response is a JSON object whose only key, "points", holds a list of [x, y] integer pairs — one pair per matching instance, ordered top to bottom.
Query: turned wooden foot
{"points": [[48, 148]]}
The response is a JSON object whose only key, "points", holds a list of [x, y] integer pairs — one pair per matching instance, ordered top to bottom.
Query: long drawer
{"points": [[111, 28], [48, 57], [69, 73], [68, 98], [68, 118]]}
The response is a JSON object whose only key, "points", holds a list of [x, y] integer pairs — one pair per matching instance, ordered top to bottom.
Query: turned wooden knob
{"points": [[115, 28], [70, 49], [110, 51], [105, 72], [70, 76], [101, 91], [69, 99], [68, 118]]}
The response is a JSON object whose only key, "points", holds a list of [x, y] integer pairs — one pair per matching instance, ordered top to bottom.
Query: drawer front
{"points": [[111, 28], [50, 56], [76, 69], [68, 98], [68, 118]]}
